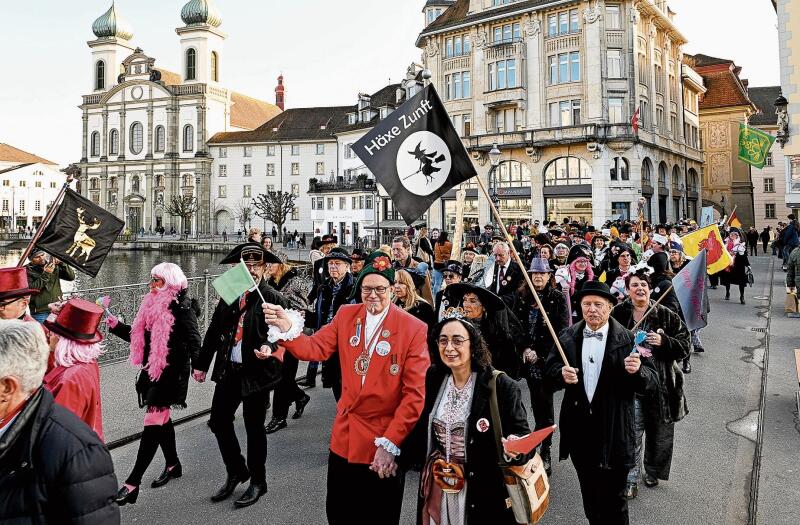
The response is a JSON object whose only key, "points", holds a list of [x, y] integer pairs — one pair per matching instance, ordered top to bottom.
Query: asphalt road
{"points": [[714, 455]]}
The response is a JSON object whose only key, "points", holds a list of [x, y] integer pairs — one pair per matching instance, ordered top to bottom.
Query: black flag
{"points": [[415, 153], [81, 233]]}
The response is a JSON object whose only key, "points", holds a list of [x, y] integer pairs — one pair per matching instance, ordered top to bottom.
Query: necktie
{"points": [[502, 276], [240, 325], [588, 334]]}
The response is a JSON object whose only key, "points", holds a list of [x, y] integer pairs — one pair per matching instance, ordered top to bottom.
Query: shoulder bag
{"points": [[527, 485]]}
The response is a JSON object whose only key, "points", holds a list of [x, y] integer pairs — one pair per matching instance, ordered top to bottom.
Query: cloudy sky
{"points": [[327, 50]]}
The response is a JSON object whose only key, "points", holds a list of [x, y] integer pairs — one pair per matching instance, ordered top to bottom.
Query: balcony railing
{"points": [[615, 38], [563, 43], [503, 51], [456, 64], [92, 99], [316, 186]]}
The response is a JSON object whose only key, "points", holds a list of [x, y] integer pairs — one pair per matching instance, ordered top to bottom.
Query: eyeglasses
{"points": [[155, 279], [366, 291], [457, 342]]}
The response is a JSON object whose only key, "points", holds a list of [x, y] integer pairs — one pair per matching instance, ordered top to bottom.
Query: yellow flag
{"points": [[717, 257], [602, 278]]}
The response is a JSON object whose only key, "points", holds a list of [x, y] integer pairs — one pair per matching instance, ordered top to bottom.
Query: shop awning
{"points": [[394, 225]]}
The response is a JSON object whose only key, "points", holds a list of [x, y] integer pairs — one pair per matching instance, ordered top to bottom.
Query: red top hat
{"points": [[14, 283], [78, 320]]}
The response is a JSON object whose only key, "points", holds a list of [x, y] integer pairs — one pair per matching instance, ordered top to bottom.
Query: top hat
{"points": [[329, 238], [250, 252], [339, 254], [358, 255], [540, 265], [14, 283], [595, 288], [78, 320]]}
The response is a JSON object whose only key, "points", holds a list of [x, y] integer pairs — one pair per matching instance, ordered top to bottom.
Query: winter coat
{"points": [[789, 235], [441, 254], [793, 269], [737, 272], [662, 283], [48, 284], [291, 286], [325, 300], [422, 311], [503, 333], [537, 337], [184, 346], [256, 374], [77, 388], [669, 400], [609, 418], [54, 469], [486, 491]]}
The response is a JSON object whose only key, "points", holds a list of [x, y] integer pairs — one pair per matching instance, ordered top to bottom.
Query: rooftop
{"points": [[721, 78], [764, 100], [11, 154]]}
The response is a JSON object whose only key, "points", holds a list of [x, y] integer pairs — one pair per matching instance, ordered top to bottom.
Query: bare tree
{"points": [[183, 206], [274, 206], [244, 212]]}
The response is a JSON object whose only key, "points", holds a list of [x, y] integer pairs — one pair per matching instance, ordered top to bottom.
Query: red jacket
{"points": [[77, 388], [388, 405]]}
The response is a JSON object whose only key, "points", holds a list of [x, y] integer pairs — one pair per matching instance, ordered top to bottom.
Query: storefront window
{"points": [[567, 171], [512, 173], [574, 209], [470, 214]]}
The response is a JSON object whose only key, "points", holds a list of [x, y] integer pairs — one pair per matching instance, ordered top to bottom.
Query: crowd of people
{"points": [[417, 340]]}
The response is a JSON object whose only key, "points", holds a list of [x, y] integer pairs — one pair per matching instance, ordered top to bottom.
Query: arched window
{"points": [[191, 64], [214, 66], [100, 75], [188, 137], [137, 138], [160, 139], [95, 142], [113, 142], [620, 170], [567, 171], [647, 172], [512, 173], [662, 174], [676, 177], [159, 181], [691, 181], [94, 184], [135, 184]]}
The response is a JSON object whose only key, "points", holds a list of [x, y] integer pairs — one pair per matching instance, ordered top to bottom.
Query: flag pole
{"points": [[728, 222], [45, 223], [651, 309], [542, 311]]}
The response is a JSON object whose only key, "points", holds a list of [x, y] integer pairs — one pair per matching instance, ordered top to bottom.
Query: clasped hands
{"points": [[383, 463]]}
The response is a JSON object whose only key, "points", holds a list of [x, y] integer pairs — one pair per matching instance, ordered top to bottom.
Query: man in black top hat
{"points": [[244, 373], [597, 412]]}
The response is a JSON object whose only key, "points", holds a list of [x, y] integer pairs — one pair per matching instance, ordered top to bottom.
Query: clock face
{"points": [[137, 92]]}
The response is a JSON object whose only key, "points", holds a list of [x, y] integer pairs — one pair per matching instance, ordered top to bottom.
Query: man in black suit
{"points": [[507, 274], [597, 412]]}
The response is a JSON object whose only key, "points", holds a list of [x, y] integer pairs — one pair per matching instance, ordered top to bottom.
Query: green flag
{"points": [[754, 145], [233, 283]]}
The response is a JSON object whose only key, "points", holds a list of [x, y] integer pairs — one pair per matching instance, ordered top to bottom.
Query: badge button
{"points": [[385, 334], [354, 341], [383, 348], [394, 369], [482, 424]]}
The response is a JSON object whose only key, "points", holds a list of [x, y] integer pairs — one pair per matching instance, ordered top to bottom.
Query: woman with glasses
{"points": [[405, 296], [461, 481]]}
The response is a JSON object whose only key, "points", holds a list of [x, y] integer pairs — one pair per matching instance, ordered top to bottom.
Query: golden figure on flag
{"points": [[82, 239]]}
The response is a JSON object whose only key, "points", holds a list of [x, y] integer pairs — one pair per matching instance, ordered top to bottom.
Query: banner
{"points": [[754, 145], [416, 154], [706, 216], [81, 233], [708, 238], [690, 287]]}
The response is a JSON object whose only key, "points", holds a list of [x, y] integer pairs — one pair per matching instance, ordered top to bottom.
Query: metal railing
{"points": [[125, 301]]}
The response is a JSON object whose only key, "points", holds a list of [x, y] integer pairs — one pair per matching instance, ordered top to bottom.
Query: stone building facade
{"points": [[788, 14], [769, 188]]}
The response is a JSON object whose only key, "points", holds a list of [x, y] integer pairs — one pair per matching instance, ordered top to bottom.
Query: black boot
{"points": [[741, 299], [687, 366], [300, 406], [274, 425], [546, 460], [173, 472], [230, 485], [251, 495], [125, 496]]}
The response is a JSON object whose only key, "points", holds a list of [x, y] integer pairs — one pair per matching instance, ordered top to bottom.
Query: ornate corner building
{"points": [[558, 86], [145, 128]]}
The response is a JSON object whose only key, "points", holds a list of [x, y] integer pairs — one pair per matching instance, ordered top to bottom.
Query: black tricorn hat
{"points": [[329, 238], [250, 252], [595, 288], [489, 300]]}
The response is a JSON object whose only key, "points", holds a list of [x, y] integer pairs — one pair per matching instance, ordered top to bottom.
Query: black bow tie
{"points": [[589, 334]]}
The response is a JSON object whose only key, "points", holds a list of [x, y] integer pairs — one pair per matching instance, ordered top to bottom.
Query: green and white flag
{"points": [[754, 145], [233, 283]]}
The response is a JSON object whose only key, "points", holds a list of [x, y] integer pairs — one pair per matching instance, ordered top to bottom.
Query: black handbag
{"points": [[750, 278]]}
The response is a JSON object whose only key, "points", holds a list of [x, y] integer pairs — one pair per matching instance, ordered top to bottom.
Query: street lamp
{"points": [[494, 160]]}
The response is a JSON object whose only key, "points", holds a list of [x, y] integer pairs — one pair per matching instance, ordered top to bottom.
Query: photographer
{"points": [[45, 274]]}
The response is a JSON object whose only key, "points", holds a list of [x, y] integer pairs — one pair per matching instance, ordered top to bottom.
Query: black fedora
{"points": [[595, 288], [489, 300]]}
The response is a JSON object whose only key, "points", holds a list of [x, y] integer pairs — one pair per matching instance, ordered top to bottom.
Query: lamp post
{"points": [[494, 160]]}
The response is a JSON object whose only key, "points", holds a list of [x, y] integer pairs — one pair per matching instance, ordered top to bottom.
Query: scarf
{"points": [[154, 316]]}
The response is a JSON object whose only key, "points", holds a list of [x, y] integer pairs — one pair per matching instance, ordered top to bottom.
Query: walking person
{"points": [[765, 237], [752, 240], [423, 249], [441, 254], [736, 273], [45, 274], [15, 295], [405, 296], [165, 342], [668, 343], [383, 354], [244, 372], [597, 412], [53, 467]]}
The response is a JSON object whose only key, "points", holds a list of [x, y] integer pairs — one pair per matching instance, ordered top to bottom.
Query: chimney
{"points": [[279, 92]]}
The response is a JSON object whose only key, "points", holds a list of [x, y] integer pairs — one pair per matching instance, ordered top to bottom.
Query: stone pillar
{"points": [[480, 40], [593, 49], [651, 74], [534, 84], [172, 129], [123, 134], [85, 141], [200, 146], [104, 153], [149, 154], [84, 183], [104, 188], [121, 192], [149, 196]]}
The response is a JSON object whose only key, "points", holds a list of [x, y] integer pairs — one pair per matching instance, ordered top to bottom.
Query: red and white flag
{"points": [[635, 122]]}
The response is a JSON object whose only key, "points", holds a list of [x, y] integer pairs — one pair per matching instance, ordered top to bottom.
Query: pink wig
{"points": [[574, 272], [172, 274], [69, 352]]}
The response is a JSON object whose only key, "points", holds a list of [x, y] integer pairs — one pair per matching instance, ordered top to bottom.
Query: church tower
{"points": [[201, 43], [110, 48], [279, 93]]}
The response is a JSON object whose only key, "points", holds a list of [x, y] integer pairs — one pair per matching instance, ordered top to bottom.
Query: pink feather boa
{"points": [[155, 317]]}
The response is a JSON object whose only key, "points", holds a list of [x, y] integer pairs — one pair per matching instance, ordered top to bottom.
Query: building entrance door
{"points": [[662, 210]]}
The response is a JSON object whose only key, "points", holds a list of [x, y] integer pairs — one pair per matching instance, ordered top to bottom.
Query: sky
{"points": [[328, 51]]}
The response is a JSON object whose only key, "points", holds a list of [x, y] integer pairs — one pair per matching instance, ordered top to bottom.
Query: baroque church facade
{"points": [[145, 128]]}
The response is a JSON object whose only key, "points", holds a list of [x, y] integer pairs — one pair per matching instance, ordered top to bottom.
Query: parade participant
{"points": [[254, 235], [485, 240], [266, 243], [326, 244], [423, 249], [599, 249], [546, 253], [441, 254], [560, 254], [357, 257], [467, 257], [401, 259], [677, 259], [621, 265], [580, 272], [736, 273], [45, 274], [452, 274], [507, 274], [661, 279], [286, 281], [15, 294], [330, 296], [405, 296], [499, 327], [165, 341], [537, 341], [668, 342], [384, 356], [244, 371], [74, 380], [457, 403], [597, 412], [53, 468]]}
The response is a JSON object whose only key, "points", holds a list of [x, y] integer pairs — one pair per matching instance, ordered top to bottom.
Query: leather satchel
{"points": [[527, 485]]}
